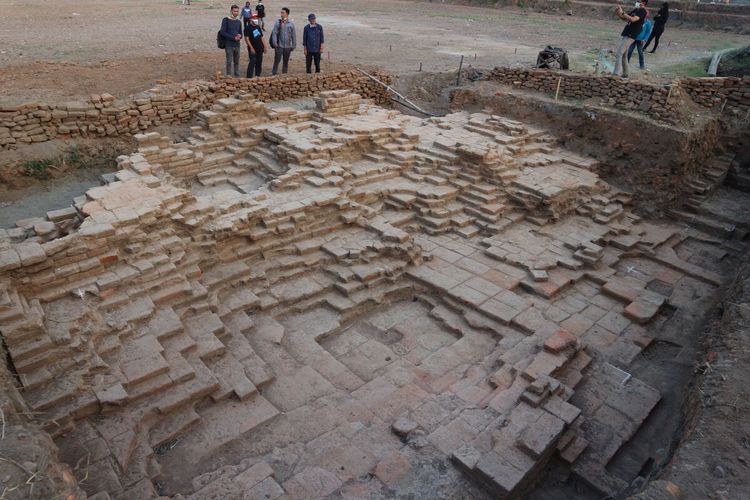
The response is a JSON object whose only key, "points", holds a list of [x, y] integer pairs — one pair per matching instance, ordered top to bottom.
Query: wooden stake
{"points": [[516, 51], [460, 66], [420, 67], [557, 92]]}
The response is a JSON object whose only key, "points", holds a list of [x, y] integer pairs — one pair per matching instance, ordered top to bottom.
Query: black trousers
{"points": [[655, 34], [309, 58], [255, 63]]}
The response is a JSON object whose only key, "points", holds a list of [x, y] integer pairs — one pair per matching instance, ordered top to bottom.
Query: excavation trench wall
{"points": [[729, 95], [104, 115], [651, 159]]}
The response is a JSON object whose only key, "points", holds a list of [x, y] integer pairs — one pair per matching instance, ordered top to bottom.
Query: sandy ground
{"points": [[76, 47]]}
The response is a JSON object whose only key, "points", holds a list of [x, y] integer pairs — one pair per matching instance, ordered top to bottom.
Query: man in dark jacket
{"points": [[261, 10], [635, 19], [231, 32], [283, 40], [313, 43], [256, 46]]}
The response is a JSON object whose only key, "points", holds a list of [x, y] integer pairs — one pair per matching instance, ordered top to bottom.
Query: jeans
{"points": [[638, 44], [281, 52], [233, 56], [309, 58], [621, 59], [254, 63]]}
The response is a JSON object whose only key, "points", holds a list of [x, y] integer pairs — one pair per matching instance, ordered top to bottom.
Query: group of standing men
{"points": [[250, 26], [639, 29]]}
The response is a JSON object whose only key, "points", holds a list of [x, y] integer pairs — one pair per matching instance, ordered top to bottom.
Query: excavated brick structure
{"points": [[324, 298]]}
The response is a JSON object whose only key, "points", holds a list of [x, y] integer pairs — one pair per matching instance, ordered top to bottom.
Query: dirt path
{"points": [[125, 46]]}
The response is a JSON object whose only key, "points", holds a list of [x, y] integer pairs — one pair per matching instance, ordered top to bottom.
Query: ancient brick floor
{"points": [[346, 301]]}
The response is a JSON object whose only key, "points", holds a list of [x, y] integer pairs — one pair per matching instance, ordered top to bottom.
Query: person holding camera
{"points": [[635, 19]]}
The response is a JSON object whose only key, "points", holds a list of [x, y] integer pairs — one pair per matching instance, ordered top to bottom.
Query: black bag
{"points": [[220, 42]]}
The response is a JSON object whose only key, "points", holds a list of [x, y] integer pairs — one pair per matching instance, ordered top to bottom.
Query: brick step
{"points": [[439, 152], [219, 158], [401, 158], [469, 177], [375, 178], [485, 216], [434, 222], [704, 223], [203, 329], [29, 347], [36, 379], [232, 380], [61, 389], [191, 391], [58, 419], [172, 426]]}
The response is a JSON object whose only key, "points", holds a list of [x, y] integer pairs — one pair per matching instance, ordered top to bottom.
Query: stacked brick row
{"points": [[726, 93], [729, 94], [654, 100], [103, 115]]}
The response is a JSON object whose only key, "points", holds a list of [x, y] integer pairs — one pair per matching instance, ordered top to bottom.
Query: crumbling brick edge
{"points": [[106, 116]]}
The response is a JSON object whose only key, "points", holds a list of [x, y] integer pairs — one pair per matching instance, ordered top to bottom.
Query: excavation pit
{"points": [[332, 298]]}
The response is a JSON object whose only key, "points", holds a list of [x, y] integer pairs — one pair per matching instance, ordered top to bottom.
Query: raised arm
{"points": [[625, 17]]}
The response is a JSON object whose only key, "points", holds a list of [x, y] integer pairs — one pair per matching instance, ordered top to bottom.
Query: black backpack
{"points": [[261, 10], [220, 42]]}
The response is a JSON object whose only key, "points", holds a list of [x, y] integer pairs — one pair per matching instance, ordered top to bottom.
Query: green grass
{"points": [[696, 67], [73, 159], [37, 168]]}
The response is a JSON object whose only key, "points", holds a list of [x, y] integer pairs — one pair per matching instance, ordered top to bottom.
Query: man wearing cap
{"points": [[283, 40], [312, 41], [256, 46]]}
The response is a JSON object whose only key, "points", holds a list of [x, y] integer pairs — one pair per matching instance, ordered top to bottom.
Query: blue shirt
{"points": [[646, 31], [312, 37]]}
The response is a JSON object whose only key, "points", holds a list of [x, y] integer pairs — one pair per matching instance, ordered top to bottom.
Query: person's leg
{"points": [[655, 37], [656, 40], [648, 42], [639, 46], [630, 50], [278, 51], [287, 53], [228, 54], [620, 54], [236, 55], [316, 58], [308, 62], [250, 63], [258, 63]]}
